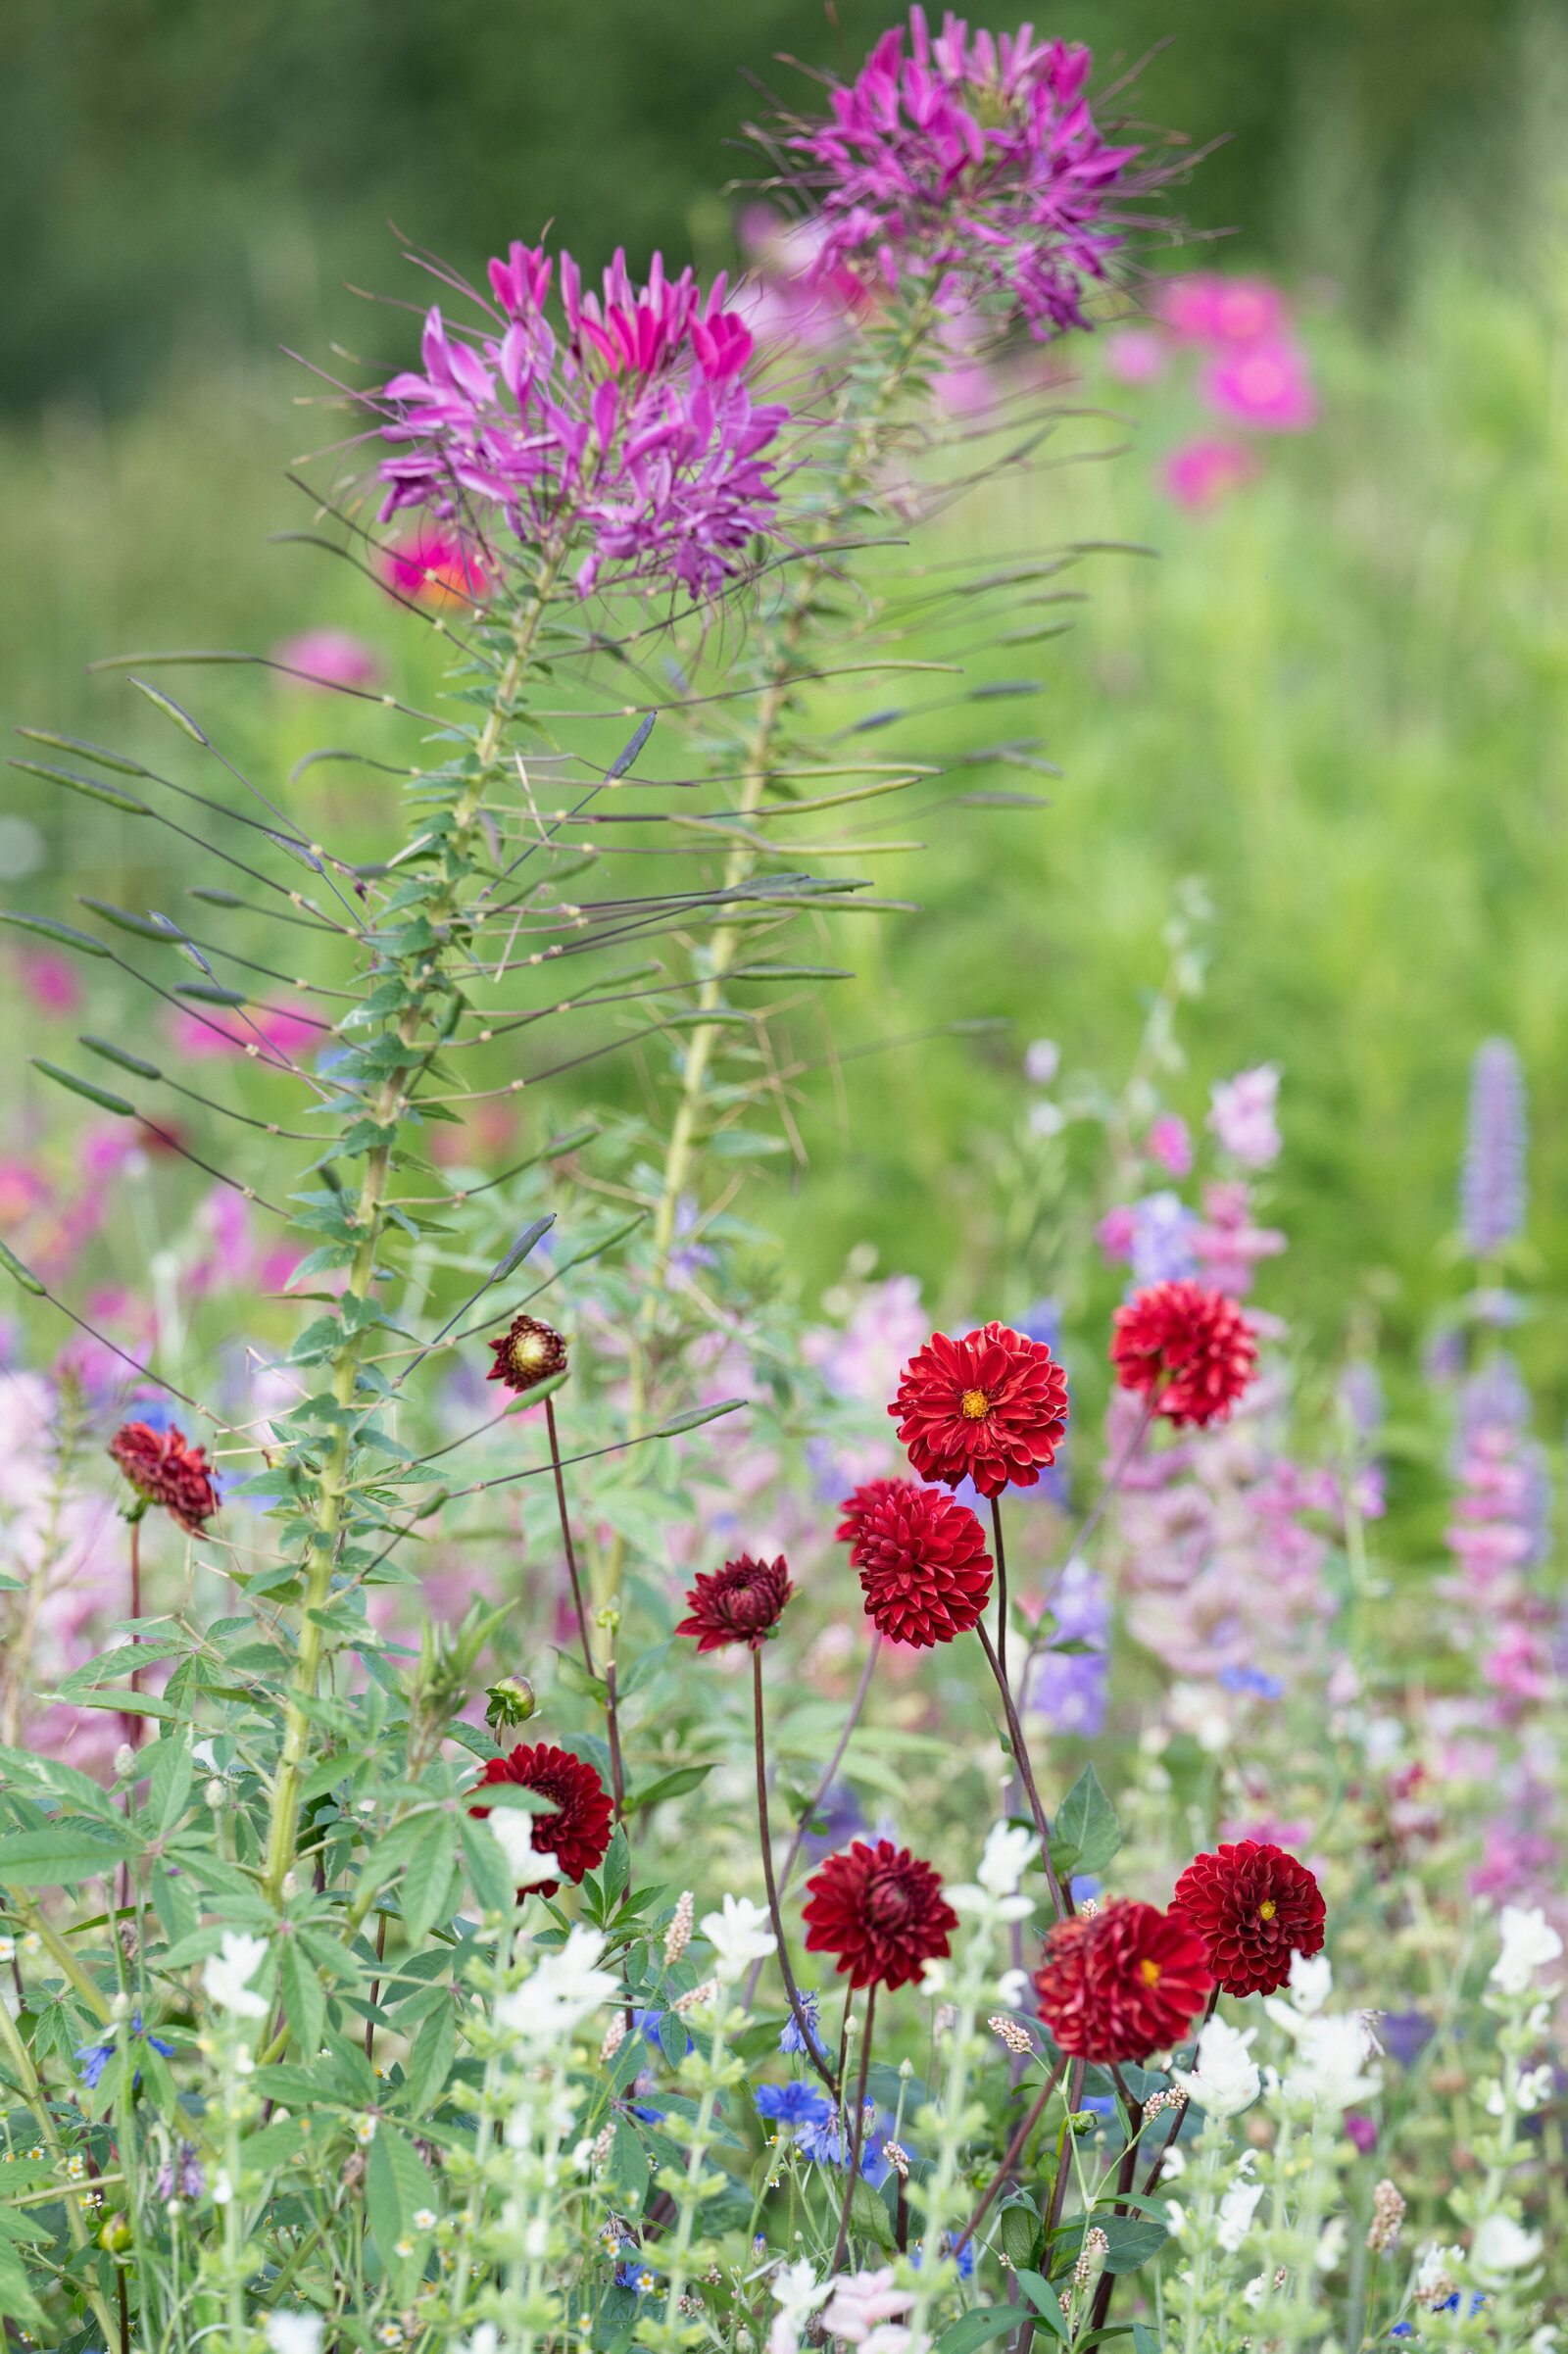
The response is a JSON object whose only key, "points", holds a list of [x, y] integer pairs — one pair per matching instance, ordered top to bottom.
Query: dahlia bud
{"points": [[527, 1354], [510, 1702], [678, 1935], [1388, 2216]]}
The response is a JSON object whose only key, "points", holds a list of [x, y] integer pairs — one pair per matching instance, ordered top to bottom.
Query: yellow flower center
{"points": [[974, 1406], [1267, 1909], [1149, 1973]]}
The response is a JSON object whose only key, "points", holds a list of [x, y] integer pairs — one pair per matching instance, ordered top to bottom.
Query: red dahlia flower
{"points": [[1191, 1351], [527, 1354], [991, 1408], [165, 1469], [855, 1506], [923, 1565], [742, 1602], [578, 1833], [1254, 1906], [881, 1911], [1119, 1983]]}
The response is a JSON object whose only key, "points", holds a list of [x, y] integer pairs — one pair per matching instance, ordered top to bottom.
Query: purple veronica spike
{"points": [[973, 165], [628, 451], [1492, 1191]]}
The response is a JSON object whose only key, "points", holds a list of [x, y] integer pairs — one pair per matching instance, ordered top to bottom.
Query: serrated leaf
{"points": [[57, 1857], [427, 1877], [303, 1997], [430, 2059], [626, 2175]]}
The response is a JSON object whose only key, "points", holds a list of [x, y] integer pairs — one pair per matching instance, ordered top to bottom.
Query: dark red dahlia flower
{"points": [[1191, 1351], [527, 1353], [991, 1408], [165, 1469], [855, 1508], [923, 1565], [742, 1602], [578, 1833], [1254, 1906], [881, 1911], [1120, 1984]]}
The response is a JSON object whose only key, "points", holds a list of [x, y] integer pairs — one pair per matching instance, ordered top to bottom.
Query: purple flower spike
{"points": [[972, 164], [628, 451], [1493, 1191]]}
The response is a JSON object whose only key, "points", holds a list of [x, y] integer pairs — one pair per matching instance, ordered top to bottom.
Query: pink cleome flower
{"points": [[973, 165], [1204, 308], [1265, 385], [631, 446], [1202, 472], [438, 567], [330, 657], [49, 982]]}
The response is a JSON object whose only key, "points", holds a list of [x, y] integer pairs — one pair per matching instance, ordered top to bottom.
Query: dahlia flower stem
{"points": [[565, 1540], [1001, 1587], [1058, 1896], [797, 2009], [858, 2135], [1016, 2150]]}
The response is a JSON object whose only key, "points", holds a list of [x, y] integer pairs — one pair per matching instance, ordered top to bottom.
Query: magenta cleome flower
{"points": [[972, 164], [1265, 385], [630, 450]]}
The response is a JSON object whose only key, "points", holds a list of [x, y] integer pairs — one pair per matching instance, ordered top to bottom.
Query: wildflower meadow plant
{"points": [[522, 1897]]}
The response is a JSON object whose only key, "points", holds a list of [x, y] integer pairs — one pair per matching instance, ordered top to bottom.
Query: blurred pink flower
{"points": [[1205, 308], [1135, 355], [1265, 385], [1202, 472], [437, 567], [334, 657], [50, 982], [281, 1034], [1242, 1115], [1169, 1142], [103, 1149], [21, 1190], [1116, 1233], [1228, 1245]]}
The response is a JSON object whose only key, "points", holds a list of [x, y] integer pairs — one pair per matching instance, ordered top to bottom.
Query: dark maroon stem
{"points": [[565, 1539], [1001, 1585], [1020, 1755], [797, 2008], [1179, 2109], [860, 2130], [1015, 2148], [1126, 2174]]}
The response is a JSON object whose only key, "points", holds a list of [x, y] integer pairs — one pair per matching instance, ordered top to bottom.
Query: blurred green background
{"points": [[1340, 698]]}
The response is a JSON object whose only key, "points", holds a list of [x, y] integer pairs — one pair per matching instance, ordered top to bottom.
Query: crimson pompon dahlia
{"points": [[973, 165], [629, 444], [1190, 1352], [527, 1354], [991, 1409], [166, 1469], [861, 1501], [923, 1565], [742, 1602], [578, 1832], [1254, 1906], [881, 1910], [1122, 1983]]}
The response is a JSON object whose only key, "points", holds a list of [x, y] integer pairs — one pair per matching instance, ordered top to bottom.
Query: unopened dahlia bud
{"points": [[527, 1354], [508, 1702], [678, 1935], [1008, 2031], [615, 2037], [1387, 2216]]}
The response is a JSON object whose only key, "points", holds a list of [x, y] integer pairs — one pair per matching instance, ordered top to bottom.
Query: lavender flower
{"points": [[971, 167], [632, 445], [1242, 1115], [1493, 1191], [1161, 1241]]}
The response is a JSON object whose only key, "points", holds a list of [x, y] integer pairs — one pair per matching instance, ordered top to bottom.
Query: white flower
{"points": [[513, 1832], [1007, 1850], [740, 1935], [1528, 1941], [227, 1977], [934, 1979], [1311, 1981], [1012, 1988], [564, 1989], [1330, 2068], [1226, 2079], [1535, 2086], [1175, 2164], [222, 2187], [1236, 2212], [1331, 2243], [1501, 2246], [1437, 2269], [795, 2285], [1252, 2293], [863, 2300], [293, 2332], [889, 2338], [485, 2340], [1544, 2341]]}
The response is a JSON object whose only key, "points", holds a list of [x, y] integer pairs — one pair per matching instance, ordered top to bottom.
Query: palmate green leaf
{"points": [[62, 1855]]}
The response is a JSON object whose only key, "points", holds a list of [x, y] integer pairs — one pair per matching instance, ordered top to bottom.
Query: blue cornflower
{"points": [[792, 2041], [96, 2056], [795, 2104], [825, 2145], [964, 2259], [635, 2275], [1401, 2329]]}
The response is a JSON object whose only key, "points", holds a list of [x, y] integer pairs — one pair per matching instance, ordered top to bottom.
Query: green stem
{"points": [[33, 2093]]}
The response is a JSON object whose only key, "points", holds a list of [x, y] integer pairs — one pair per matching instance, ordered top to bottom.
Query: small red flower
{"points": [[1188, 1349], [527, 1353], [991, 1408], [163, 1467], [854, 1507], [923, 1565], [742, 1602], [578, 1833], [1254, 1906], [881, 1911], [1120, 1984]]}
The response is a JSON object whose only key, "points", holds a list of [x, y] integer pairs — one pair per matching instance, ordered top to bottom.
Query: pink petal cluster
{"points": [[972, 166], [1206, 309], [1264, 385], [630, 447], [1201, 472], [437, 568], [328, 657], [1242, 1115], [1226, 1244], [1495, 1537]]}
